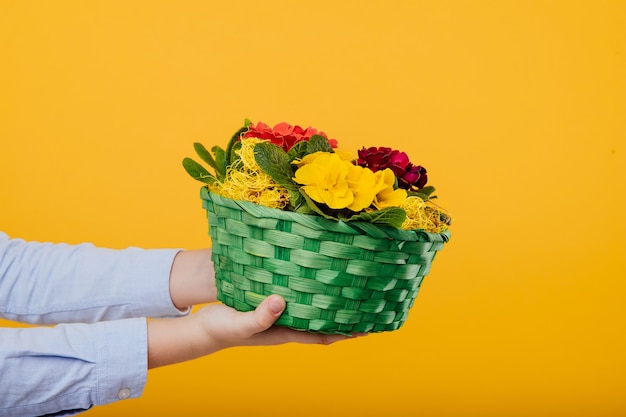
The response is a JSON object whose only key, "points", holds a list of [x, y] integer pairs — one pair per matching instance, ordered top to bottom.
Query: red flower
{"points": [[284, 134], [380, 158]]}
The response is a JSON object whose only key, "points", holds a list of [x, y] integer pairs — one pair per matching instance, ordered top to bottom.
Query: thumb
{"points": [[264, 316]]}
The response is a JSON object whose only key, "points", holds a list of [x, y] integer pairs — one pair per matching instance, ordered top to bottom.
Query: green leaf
{"points": [[318, 143], [232, 146], [298, 150], [205, 155], [233, 156], [219, 161], [275, 162], [197, 171], [428, 190], [423, 193], [425, 197], [295, 198], [304, 204], [304, 208], [314, 208], [390, 216]]}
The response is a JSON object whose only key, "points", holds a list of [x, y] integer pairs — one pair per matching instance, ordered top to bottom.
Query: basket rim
{"points": [[321, 223]]}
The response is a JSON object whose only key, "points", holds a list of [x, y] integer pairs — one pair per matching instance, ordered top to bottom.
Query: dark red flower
{"points": [[284, 134], [379, 158], [415, 175]]}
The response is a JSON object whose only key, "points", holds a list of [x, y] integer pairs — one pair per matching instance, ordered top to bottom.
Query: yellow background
{"points": [[516, 108]]}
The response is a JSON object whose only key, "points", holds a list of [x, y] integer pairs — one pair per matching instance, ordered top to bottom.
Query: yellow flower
{"points": [[345, 155], [323, 178], [334, 180], [362, 183], [386, 195]]}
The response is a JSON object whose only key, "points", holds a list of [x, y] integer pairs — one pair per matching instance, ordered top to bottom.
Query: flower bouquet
{"points": [[345, 240]]}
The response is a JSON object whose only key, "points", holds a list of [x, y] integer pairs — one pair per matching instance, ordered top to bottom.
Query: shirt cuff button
{"points": [[123, 393]]}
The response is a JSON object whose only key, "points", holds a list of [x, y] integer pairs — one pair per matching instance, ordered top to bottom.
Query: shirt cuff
{"points": [[150, 269], [122, 359], [68, 368]]}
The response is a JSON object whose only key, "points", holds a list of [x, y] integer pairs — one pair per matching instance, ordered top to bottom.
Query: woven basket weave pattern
{"points": [[336, 277]]}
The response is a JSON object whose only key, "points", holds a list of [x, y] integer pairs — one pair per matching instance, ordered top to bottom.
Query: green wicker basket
{"points": [[336, 277]]}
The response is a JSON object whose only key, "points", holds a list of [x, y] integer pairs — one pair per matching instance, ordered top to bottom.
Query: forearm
{"points": [[192, 279], [192, 282], [60, 283], [172, 341]]}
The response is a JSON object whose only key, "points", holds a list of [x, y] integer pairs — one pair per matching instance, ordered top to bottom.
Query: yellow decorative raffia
{"points": [[246, 181], [424, 215]]}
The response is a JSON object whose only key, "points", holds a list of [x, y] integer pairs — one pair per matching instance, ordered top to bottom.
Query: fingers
{"points": [[266, 314], [263, 317], [281, 335]]}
